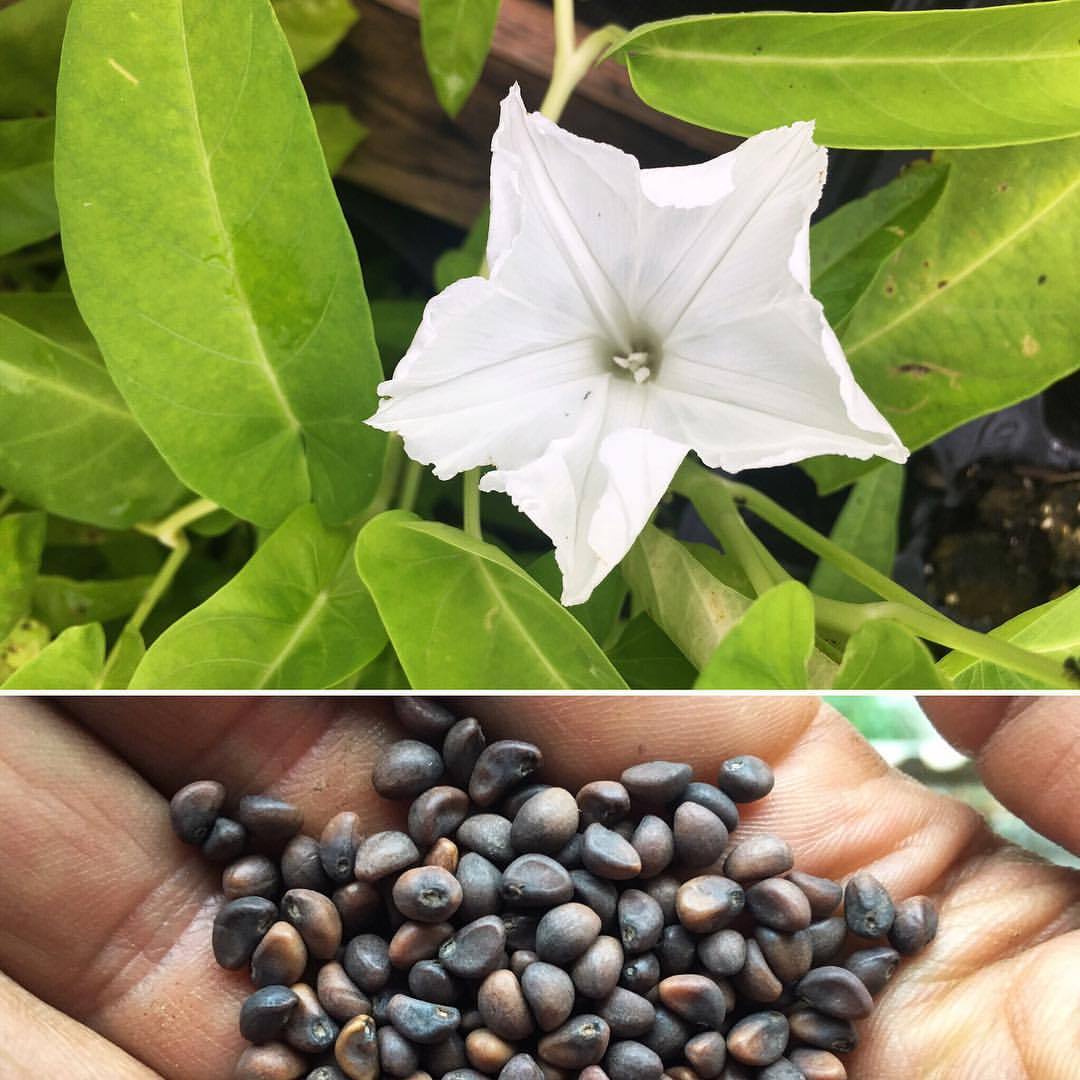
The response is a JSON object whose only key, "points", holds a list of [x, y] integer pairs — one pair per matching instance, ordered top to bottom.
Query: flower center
{"points": [[636, 364]]}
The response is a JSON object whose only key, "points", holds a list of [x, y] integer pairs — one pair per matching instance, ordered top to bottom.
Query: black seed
{"points": [[423, 717], [462, 746], [500, 767], [406, 768], [745, 778], [657, 782], [519, 797], [712, 798], [603, 801], [194, 809], [436, 813], [270, 821], [546, 823], [488, 835], [700, 836], [226, 841], [654, 843], [337, 846], [385, 853], [570, 854], [606, 854], [759, 857], [301, 865], [253, 875], [536, 881], [481, 887], [664, 890], [596, 893], [427, 894], [824, 895], [358, 903], [779, 904], [868, 908], [641, 921], [914, 926], [239, 927], [520, 930], [565, 932], [827, 937], [476, 949], [676, 950], [723, 953], [281, 958], [367, 961], [874, 966], [596, 972], [641, 973], [430, 981], [835, 991], [549, 992], [264, 1013], [629, 1015], [423, 1022], [309, 1029], [817, 1029], [667, 1036], [759, 1039], [581, 1041], [397, 1055], [448, 1057], [632, 1061], [816, 1064], [521, 1067], [781, 1069], [326, 1072]]}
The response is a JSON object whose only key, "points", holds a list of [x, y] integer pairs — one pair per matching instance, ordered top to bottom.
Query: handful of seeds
{"points": [[521, 932]]}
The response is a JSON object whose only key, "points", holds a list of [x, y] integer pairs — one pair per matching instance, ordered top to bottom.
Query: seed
{"points": [[422, 717], [462, 746], [501, 766], [406, 768], [745, 778], [657, 782], [517, 798], [712, 798], [604, 802], [194, 809], [436, 813], [270, 821], [546, 823], [488, 835], [700, 836], [226, 841], [654, 843], [337, 846], [385, 853], [444, 853], [570, 854], [606, 854], [759, 857], [301, 865], [253, 875], [536, 881], [481, 887], [663, 890], [596, 893], [427, 894], [824, 895], [708, 903], [357, 904], [779, 904], [868, 908], [318, 921], [640, 921], [915, 925], [239, 927], [520, 930], [566, 931], [827, 938], [413, 942], [476, 949], [676, 950], [723, 953], [788, 955], [280, 958], [520, 959], [367, 961], [873, 966], [596, 972], [641, 973], [757, 980], [430, 981], [835, 991], [549, 992], [339, 995], [695, 998], [503, 1006], [264, 1013], [626, 1013], [422, 1021], [309, 1029], [827, 1032], [667, 1036], [758, 1039], [581, 1041], [357, 1049], [486, 1051], [706, 1053], [397, 1055], [447, 1056], [274, 1061], [632, 1061], [818, 1064], [522, 1067], [780, 1069], [326, 1072], [591, 1072], [464, 1074]]}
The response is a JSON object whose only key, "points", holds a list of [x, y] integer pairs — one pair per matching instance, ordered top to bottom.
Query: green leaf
{"points": [[314, 28], [31, 33], [456, 36], [870, 79], [340, 133], [186, 154], [27, 203], [848, 247], [466, 260], [977, 310], [396, 323], [68, 442], [868, 527], [22, 540], [722, 566], [62, 602], [600, 612], [463, 615], [295, 617], [1052, 629], [26, 639], [769, 647], [883, 655], [648, 659], [73, 661], [122, 661], [383, 673]]}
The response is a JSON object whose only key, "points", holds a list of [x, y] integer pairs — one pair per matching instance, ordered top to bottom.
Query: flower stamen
{"points": [[636, 363]]}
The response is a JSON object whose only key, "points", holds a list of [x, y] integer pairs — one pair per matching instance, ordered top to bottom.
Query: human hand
{"points": [[108, 916]]}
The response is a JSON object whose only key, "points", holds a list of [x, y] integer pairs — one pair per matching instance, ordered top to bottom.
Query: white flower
{"points": [[631, 315]]}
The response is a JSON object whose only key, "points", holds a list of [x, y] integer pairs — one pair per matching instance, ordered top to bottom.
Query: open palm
{"points": [[105, 934]]}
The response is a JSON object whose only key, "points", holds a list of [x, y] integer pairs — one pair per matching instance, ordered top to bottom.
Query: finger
{"points": [[1027, 750], [37, 1040]]}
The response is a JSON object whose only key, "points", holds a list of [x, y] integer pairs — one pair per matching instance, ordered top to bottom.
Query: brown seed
{"points": [[423, 717], [462, 747], [501, 766], [406, 768], [745, 778], [657, 782], [517, 798], [712, 798], [603, 801], [194, 809], [437, 812], [269, 820], [546, 822], [488, 835], [700, 836], [340, 838], [226, 841], [654, 843], [385, 853], [444, 853], [606, 854], [570, 855], [759, 857], [301, 865], [253, 875], [536, 881], [481, 887], [427, 894], [824, 895], [602, 896], [358, 903], [708, 903], [779, 904], [868, 908], [318, 921], [641, 921], [239, 926], [914, 926], [566, 931], [827, 938], [413, 942], [476, 949], [676, 950], [723, 953], [788, 955], [280, 958], [520, 959], [367, 961], [874, 966], [596, 972], [641, 973], [757, 980], [430, 981], [835, 991], [549, 992], [339, 995], [695, 998], [502, 1004], [265, 1012], [629, 1015], [423, 1022], [309, 1029], [827, 1032], [667, 1036], [758, 1039], [581, 1041], [357, 1049], [487, 1052], [707, 1053], [449, 1055], [397, 1056], [628, 1060], [274, 1061], [818, 1064], [523, 1067], [591, 1072], [683, 1072]]}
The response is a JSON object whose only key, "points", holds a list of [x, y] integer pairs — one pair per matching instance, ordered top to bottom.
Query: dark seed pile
{"points": [[518, 931]]}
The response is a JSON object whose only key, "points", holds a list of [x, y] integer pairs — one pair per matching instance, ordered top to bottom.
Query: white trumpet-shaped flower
{"points": [[631, 315]]}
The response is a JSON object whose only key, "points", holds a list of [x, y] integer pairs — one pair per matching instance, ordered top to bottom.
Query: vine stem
{"points": [[572, 61], [410, 485], [6, 500], [470, 504], [169, 531]]}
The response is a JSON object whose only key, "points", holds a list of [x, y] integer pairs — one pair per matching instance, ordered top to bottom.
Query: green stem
{"points": [[572, 62], [410, 485], [383, 498], [6, 501], [470, 504], [169, 531], [160, 585]]}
